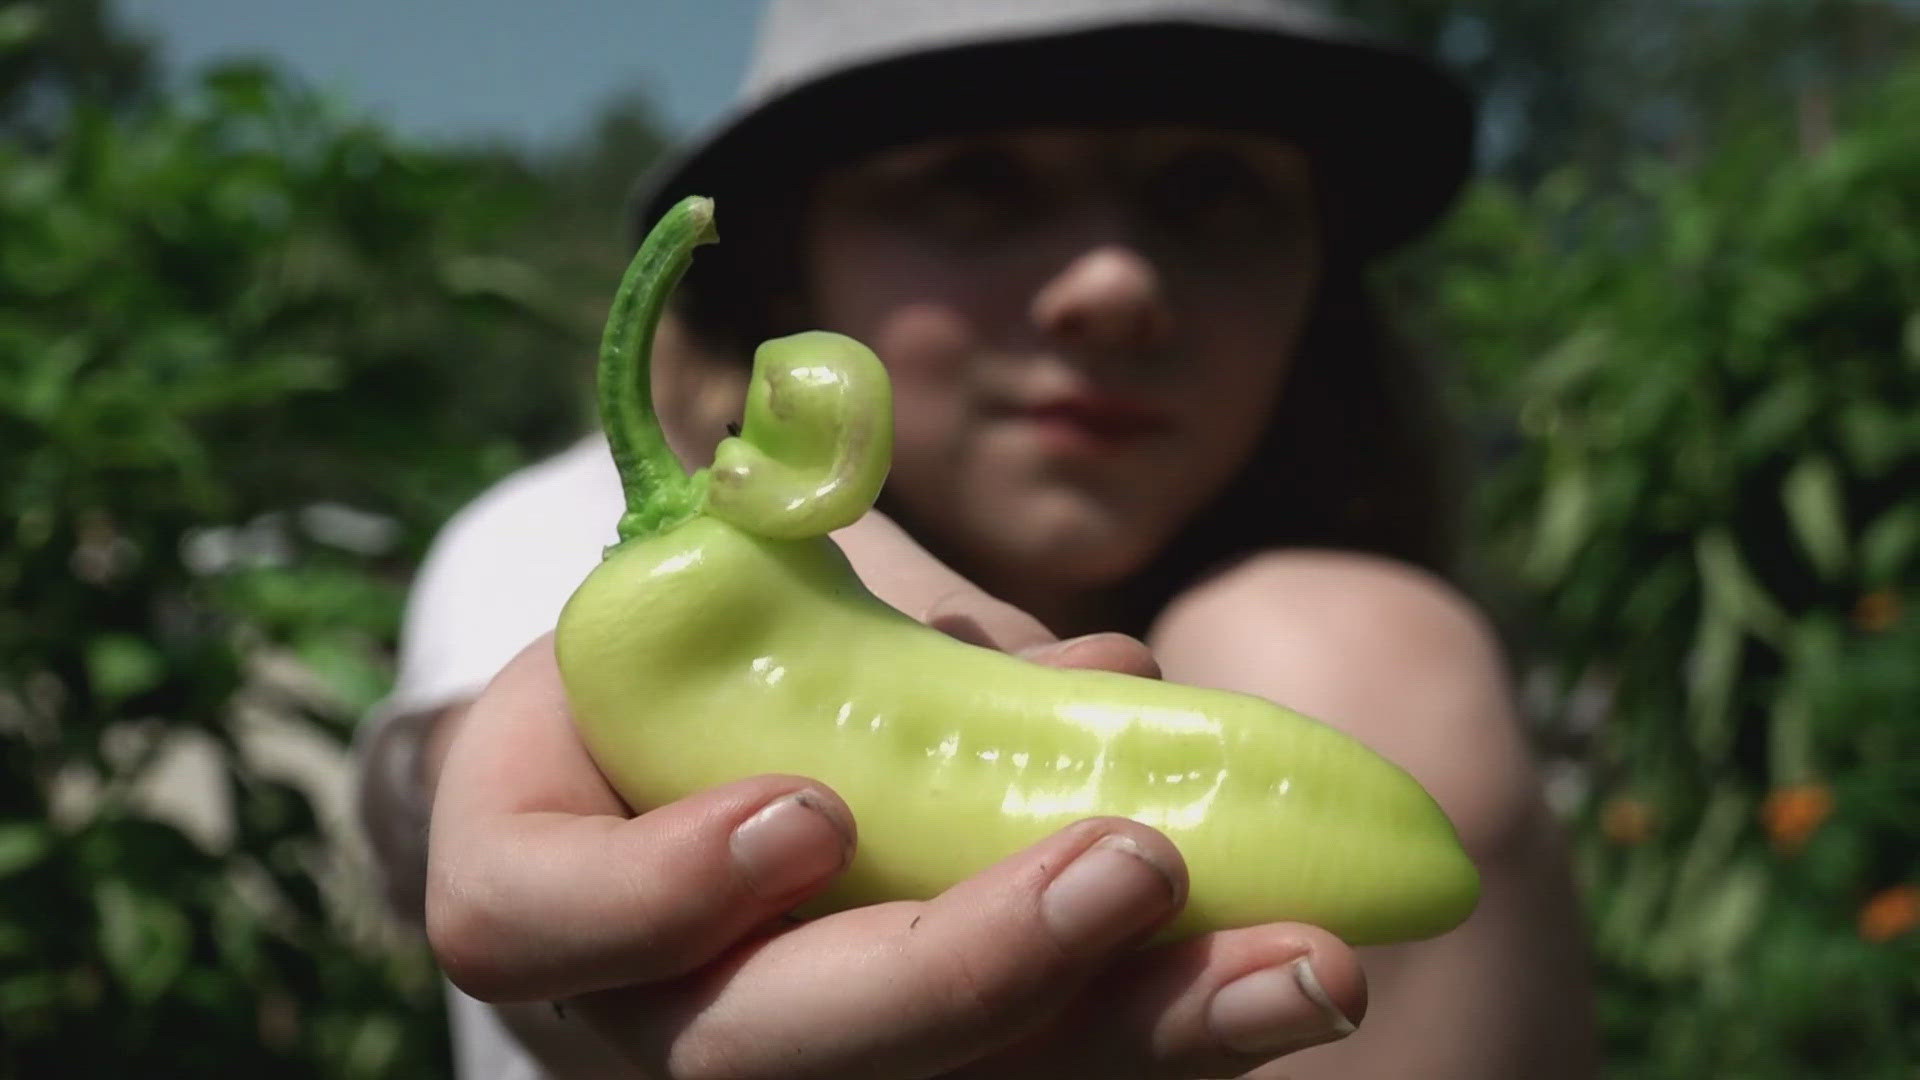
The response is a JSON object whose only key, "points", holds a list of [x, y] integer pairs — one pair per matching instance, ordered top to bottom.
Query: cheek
{"points": [[918, 314], [927, 348], [1243, 364], [697, 394]]}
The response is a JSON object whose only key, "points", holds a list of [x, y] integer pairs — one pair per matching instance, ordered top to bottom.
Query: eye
{"points": [[974, 192], [1219, 195]]}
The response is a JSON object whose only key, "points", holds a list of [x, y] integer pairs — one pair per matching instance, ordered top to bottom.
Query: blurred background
{"points": [[282, 286]]}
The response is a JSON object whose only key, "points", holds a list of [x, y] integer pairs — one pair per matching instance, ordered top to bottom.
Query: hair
{"points": [[731, 293], [1360, 454]]}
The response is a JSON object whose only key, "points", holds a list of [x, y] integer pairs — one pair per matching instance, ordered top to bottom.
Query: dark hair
{"points": [[732, 291], [1360, 454]]}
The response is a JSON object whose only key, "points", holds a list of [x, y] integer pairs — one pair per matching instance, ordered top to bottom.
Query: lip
{"points": [[1102, 421]]}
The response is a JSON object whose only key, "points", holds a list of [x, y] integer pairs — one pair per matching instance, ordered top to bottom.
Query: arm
{"points": [[1399, 661]]}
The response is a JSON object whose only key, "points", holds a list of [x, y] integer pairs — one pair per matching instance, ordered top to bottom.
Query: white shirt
{"points": [[499, 572], [494, 579]]}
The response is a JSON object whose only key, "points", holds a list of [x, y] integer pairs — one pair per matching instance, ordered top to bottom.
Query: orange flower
{"points": [[1876, 611], [1792, 814], [1626, 820], [1890, 913]]}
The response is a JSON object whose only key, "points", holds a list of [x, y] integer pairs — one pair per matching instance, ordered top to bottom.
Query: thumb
{"points": [[1102, 652]]}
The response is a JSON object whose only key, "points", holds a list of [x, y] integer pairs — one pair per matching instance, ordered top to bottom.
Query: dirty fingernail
{"points": [[791, 843], [1109, 893], [1275, 1010]]}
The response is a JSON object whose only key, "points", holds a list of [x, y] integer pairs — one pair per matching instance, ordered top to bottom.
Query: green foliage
{"points": [[55, 52], [1600, 86], [252, 354], [1708, 497]]}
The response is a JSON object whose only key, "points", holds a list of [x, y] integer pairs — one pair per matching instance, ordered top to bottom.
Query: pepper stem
{"points": [[659, 492]]}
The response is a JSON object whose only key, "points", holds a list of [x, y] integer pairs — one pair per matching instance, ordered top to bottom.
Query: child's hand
{"points": [[895, 568], [665, 933]]}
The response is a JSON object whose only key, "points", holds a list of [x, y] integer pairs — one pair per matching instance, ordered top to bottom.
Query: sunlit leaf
{"points": [[20, 26], [1560, 369], [49, 378], [1778, 413], [1874, 436], [1811, 494], [1565, 510], [1888, 546], [1731, 590], [120, 666], [1712, 667], [1790, 739], [22, 844], [1704, 859], [1633, 902], [1730, 912], [143, 938], [373, 1047]]}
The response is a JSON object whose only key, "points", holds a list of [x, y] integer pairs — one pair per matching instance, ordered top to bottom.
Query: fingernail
{"points": [[1040, 651], [792, 842], [1109, 893], [1274, 1010]]}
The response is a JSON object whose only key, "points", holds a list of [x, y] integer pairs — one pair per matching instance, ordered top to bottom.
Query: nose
{"points": [[1109, 298]]}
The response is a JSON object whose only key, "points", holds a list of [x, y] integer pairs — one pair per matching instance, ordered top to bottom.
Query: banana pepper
{"points": [[725, 635]]}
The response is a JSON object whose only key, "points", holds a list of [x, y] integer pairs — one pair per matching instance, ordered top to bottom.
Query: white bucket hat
{"points": [[1392, 134]]}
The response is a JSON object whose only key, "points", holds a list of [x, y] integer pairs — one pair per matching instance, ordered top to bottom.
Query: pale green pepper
{"points": [[725, 635]]}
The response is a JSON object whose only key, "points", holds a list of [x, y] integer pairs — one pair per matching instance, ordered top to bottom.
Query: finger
{"points": [[908, 578], [967, 613], [1104, 652], [517, 740], [540, 886], [911, 989], [1218, 1005]]}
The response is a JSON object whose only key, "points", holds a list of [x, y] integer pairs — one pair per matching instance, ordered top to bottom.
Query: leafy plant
{"points": [[252, 353], [1707, 494]]}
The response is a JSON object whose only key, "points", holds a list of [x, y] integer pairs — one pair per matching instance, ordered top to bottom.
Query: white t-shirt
{"points": [[499, 572], [494, 579]]}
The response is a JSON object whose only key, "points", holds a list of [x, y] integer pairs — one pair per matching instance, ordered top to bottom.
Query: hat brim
{"points": [[1392, 135]]}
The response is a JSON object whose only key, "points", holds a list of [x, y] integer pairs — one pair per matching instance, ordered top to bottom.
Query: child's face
{"points": [[1086, 328]]}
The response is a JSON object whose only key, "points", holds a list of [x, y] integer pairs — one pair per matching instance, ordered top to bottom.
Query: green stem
{"points": [[659, 493]]}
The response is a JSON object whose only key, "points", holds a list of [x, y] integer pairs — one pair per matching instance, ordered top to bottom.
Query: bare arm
{"points": [[1402, 663]]}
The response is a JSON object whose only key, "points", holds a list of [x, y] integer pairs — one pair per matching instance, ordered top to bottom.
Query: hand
{"points": [[665, 933]]}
